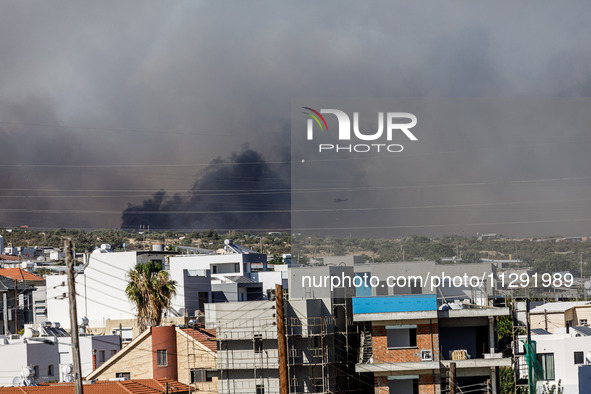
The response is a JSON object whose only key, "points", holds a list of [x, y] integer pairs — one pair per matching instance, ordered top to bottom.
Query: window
{"points": [[236, 267], [214, 269], [199, 273], [382, 289], [583, 322], [401, 336], [258, 343], [113, 352], [101, 356], [161, 358], [579, 358], [546, 360], [36, 369], [50, 370], [123, 375], [198, 375], [202, 375], [404, 386], [260, 389]]}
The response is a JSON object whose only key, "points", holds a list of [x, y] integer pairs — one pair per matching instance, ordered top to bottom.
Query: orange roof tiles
{"points": [[8, 257], [19, 274], [203, 336], [136, 386]]}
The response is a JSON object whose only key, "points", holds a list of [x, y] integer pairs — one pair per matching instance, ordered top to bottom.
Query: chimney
{"points": [[164, 353]]}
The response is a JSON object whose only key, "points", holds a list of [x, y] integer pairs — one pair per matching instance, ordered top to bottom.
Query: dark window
{"points": [[236, 267], [214, 269], [382, 288], [401, 337], [258, 343], [101, 357], [161, 358], [579, 358], [546, 360], [36, 369], [50, 370], [210, 374], [123, 375], [201, 375], [404, 386], [260, 389]]}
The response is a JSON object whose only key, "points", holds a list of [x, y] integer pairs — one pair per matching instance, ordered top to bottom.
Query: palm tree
{"points": [[151, 290]]}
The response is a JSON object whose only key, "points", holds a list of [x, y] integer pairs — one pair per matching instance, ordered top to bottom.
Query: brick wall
{"points": [[425, 334], [428, 384], [381, 385]]}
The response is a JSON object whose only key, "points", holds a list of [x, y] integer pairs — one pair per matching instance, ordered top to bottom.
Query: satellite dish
{"points": [[588, 285], [67, 369], [27, 372], [17, 381]]}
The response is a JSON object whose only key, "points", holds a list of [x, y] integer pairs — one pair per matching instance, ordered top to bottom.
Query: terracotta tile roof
{"points": [[8, 257], [19, 274], [203, 336], [136, 386]]}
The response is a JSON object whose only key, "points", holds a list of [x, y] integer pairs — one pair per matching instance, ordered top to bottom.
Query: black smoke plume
{"points": [[244, 192]]}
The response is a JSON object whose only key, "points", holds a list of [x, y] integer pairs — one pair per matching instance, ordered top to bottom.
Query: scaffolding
{"points": [[521, 326], [310, 344], [258, 358]]}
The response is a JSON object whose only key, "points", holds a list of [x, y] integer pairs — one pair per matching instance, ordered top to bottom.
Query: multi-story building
{"points": [[237, 274], [100, 288], [38, 293], [16, 305], [322, 339], [409, 344], [248, 355], [564, 358]]}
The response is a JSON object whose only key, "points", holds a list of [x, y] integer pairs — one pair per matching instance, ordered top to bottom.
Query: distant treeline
{"points": [[540, 254]]}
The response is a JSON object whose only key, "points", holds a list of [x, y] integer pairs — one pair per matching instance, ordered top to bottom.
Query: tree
{"points": [[151, 290], [507, 385]]}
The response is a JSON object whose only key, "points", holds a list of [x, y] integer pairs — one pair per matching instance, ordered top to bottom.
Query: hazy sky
{"points": [[103, 104]]}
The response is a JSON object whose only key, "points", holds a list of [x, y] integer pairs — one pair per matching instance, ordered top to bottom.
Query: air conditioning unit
{"points": [[426, 355]]}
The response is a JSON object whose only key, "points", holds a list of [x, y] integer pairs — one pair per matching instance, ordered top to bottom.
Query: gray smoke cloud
{"points": [[101, 105], [243, 192]]}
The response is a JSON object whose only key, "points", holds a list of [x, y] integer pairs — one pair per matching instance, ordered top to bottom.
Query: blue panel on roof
{"points": [[365, 289], [396, 303]]}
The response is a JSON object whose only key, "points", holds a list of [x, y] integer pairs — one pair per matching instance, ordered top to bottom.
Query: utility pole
{"points": [[68, 249], [545, 320], [452, 378], [283, 383]]}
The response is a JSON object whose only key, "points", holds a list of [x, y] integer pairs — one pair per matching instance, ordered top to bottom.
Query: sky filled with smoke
{"points": [[103, 105]]}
